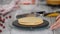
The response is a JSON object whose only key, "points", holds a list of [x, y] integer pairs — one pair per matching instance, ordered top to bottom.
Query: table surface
{"points": [[41, 7], [14, 30]]}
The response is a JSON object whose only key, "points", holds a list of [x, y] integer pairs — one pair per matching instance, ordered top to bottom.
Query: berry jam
{"points": [[9, 16], [1, 24], [3, 27], [0, 31]]}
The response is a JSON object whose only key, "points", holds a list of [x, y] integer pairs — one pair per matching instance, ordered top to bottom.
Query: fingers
{"points": [[58, 17], [55, 25], [52, 27]]}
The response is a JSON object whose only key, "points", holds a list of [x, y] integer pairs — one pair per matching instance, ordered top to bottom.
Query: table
{"points": [[13, 30]]}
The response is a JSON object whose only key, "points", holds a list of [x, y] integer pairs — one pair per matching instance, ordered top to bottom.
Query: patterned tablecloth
{"points": [[41, 7], [12, 30]]}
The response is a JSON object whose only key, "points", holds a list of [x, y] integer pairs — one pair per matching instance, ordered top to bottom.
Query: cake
{"points": [[53, 2], [53, 14], [30, 21]]}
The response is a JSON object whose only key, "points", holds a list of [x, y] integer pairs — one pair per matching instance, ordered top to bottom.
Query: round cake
{"points": [[53, 2], [53, 15], [30, 21]]}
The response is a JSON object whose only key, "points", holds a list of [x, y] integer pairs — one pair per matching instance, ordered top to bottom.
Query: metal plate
{"points": [[36, 14], [21, 16], [15, 23], [45, 24]]}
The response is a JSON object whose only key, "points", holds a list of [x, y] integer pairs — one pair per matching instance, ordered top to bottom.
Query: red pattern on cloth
{"points": [[8, 8]]}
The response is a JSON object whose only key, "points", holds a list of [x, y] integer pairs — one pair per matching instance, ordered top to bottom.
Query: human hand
{"points": [[58, 17], [56, 24]]}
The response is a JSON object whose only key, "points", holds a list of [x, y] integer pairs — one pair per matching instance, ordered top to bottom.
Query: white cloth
{"points": [[8, 7], [16, 31]]}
